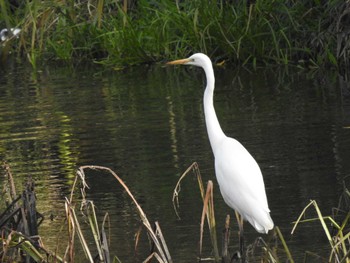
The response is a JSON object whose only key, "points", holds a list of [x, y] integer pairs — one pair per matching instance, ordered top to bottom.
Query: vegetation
{"points": [[119, 33], [21, 243]]}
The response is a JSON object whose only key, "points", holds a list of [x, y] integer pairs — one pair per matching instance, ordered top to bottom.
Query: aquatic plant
{"points": [[19, 223], [20, 240], [340, 241], [160, 251]]}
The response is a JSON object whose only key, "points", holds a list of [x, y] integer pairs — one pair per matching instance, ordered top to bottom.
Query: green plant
{"points": [[119, 34], [340, 242]]}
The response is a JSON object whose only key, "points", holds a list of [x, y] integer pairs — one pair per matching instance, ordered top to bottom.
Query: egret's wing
{"points": [[241, 182]]}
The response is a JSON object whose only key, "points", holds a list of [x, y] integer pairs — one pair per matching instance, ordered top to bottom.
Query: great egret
{"points": [[239, 176]]}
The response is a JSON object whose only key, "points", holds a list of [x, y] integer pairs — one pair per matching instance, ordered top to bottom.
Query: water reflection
{"points": [[147, 124]]}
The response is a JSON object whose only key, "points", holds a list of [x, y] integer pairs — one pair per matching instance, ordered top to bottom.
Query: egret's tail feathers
{"points": [[263, 225]]}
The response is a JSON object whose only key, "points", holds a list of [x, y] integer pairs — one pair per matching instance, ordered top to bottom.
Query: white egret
{"points": [[238, 174]]}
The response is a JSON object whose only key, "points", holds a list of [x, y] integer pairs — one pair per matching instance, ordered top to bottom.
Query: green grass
{"points": [[117, 33], [340, 242]]}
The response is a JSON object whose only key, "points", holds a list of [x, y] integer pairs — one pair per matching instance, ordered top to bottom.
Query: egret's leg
{"points": [[241, 236]]}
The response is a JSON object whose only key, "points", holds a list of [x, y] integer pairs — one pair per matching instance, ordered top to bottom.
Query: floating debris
{"points": [[6, 34]]}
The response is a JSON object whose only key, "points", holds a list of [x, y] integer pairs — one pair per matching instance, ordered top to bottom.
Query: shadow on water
{"points": [[147, 124]]}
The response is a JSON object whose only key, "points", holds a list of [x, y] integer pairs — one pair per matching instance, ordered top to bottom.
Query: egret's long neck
{"points": [[215, 132]]}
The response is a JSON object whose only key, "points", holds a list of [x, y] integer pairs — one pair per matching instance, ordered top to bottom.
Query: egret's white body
{"points": [[238, 174]]}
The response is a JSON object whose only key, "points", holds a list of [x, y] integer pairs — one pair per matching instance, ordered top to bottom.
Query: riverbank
{"points": [[116, 34]]}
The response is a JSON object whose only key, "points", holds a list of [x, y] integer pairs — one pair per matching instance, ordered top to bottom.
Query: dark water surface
{"points": [[147, 124]]}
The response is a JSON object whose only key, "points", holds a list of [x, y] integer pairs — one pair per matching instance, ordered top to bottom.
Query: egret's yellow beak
{"points": [[179, 61]]}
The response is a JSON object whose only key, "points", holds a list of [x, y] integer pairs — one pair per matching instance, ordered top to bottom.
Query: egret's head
{"points": [[198, 59]]}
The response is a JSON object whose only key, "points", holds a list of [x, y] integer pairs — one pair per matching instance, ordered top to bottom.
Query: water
{"points": [[147, 124]]}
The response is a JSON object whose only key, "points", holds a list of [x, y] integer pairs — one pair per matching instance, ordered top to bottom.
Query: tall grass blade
{"points": [[5, 13], [99, 13], [194, 168], [208, 205], [208, 211], [91, 213], [143, 217], [320, 217], [76, 227], [17, 239], [162, 240], [105, 242], [340, 243], [284, 244], [69, 254], [154, 255], [116, 260]]}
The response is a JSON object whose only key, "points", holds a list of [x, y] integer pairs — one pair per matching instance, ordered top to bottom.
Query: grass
{"points": [[121, 33], [208, 207], [340, 242], [23, 245]]}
